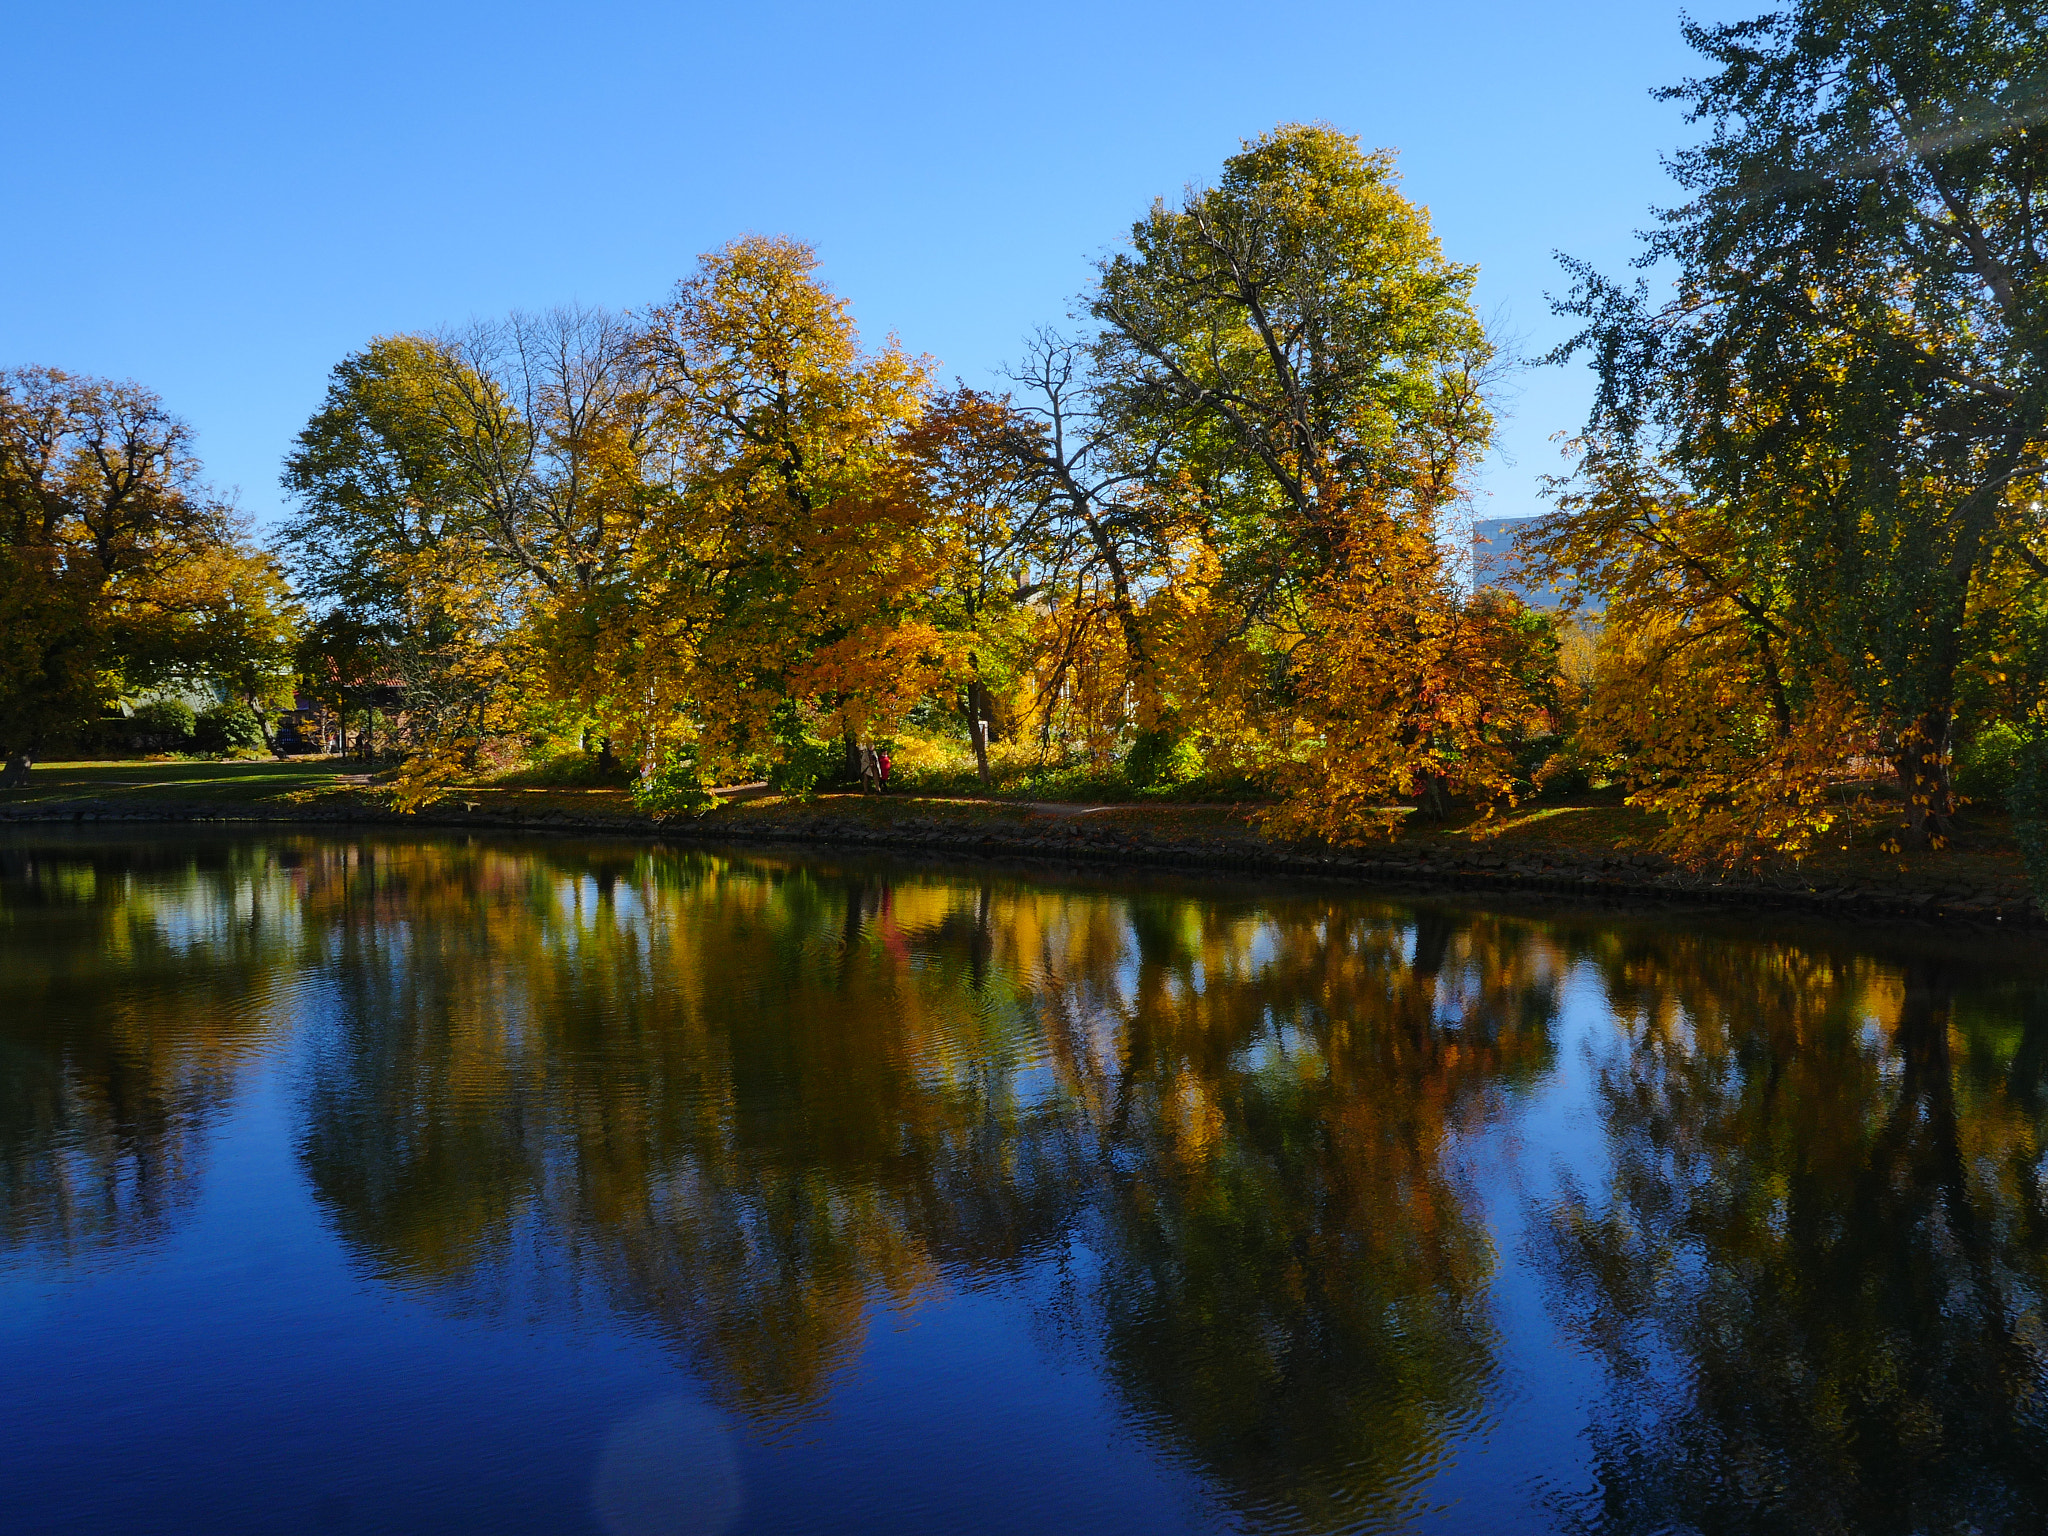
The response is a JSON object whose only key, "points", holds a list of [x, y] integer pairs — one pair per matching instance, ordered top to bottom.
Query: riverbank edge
{"points": [[1610, 876]]}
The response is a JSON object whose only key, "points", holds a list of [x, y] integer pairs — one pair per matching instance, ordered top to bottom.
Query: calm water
{"points": [[441, 1186]]}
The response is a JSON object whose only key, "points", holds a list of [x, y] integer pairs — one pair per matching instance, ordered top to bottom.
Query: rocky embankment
{"points": [[1073, 838]]}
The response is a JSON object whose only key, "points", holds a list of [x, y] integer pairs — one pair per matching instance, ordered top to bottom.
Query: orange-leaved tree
{"points": [[1722, 714]]}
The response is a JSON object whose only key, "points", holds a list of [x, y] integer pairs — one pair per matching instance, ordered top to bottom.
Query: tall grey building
{"points": [[1497, 558]]}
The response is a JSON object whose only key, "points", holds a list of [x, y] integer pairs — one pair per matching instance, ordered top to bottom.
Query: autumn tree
{"points": [[1844, 393], [1284, 397], [547, 420], [456, 493], [1003, 544], [119, 569], [782, 571]]}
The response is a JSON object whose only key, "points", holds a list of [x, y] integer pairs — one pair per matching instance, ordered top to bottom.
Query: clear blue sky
{"points": [[221, 200]]}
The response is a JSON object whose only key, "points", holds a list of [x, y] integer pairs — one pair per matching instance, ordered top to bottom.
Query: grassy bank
{"points": [[1588, 844]]}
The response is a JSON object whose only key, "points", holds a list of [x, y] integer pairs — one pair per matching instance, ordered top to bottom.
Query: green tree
{"points": [[1299, 327], [1309, 365], [1848, 384], [1251, 464], [376, 483], [119, 570]]}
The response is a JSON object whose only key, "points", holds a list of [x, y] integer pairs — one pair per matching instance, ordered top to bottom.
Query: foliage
{"points": [[1288, 337], [1843, 399], [1276, 417], [723, 533], [1209, 539], [788, 556], [120, 572], [1406, 689], [1696, 698], [164, 725], [227, 728], [1157, 758], [801, 761], [1987, 764], [574, 768], [676, 785], [2029, 800]]}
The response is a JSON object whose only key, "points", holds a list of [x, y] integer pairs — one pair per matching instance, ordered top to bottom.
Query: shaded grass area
{"points": [[184, 782], [1074, 782]]}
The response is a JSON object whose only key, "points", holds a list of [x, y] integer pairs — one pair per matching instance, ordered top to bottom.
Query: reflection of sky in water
{"points": [[584, 1189], [667, 1470]]}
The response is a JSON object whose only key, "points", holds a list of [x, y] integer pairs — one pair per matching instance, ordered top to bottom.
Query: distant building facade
{"points": [[1498, 555]]}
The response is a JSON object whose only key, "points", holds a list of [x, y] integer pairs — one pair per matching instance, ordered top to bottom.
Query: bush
{"points": [[161, 725], [228, 728], [1157, 760], [803, 763], [1988, 764], [1550, 765], [570, 769], [678, 786], [2028, 796]]}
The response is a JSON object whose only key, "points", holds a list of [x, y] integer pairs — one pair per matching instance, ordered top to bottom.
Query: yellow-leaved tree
{"points": [[777, 597], [1722, 715]]}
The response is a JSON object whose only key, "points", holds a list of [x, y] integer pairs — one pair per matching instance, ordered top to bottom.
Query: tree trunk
{"points": [[263, 725], [977, 727], [607, 760], [1922, 763], [1434, 806]]}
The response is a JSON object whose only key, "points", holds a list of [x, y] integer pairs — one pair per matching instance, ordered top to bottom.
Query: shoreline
{"points": [[1069, 839]]}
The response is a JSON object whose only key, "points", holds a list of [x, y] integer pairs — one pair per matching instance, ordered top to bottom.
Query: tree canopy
{"points": [[1813, 473], [119, 569]]}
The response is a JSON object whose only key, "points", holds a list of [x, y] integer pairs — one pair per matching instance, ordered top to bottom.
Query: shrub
{"points": [[161, 725], [228, 728], [1157, 760], [802, 763], [1988, 764], [570, 769], [677, 786], [2028, 796]]}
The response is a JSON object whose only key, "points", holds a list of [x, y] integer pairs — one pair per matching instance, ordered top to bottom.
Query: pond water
{"points": [[419, 1184]]}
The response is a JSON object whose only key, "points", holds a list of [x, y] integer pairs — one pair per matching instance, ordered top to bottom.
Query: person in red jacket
{"points": [[882, 766]]}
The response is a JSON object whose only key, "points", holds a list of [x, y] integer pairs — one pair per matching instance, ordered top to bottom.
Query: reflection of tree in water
{"points": [[127, 983], [698, 1093], [743, 1102], [746, 1102], [1815, 1275], [1294, 1281]]}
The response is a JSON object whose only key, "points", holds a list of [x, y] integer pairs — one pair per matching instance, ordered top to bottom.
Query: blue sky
{"points": [[221, 200]]}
